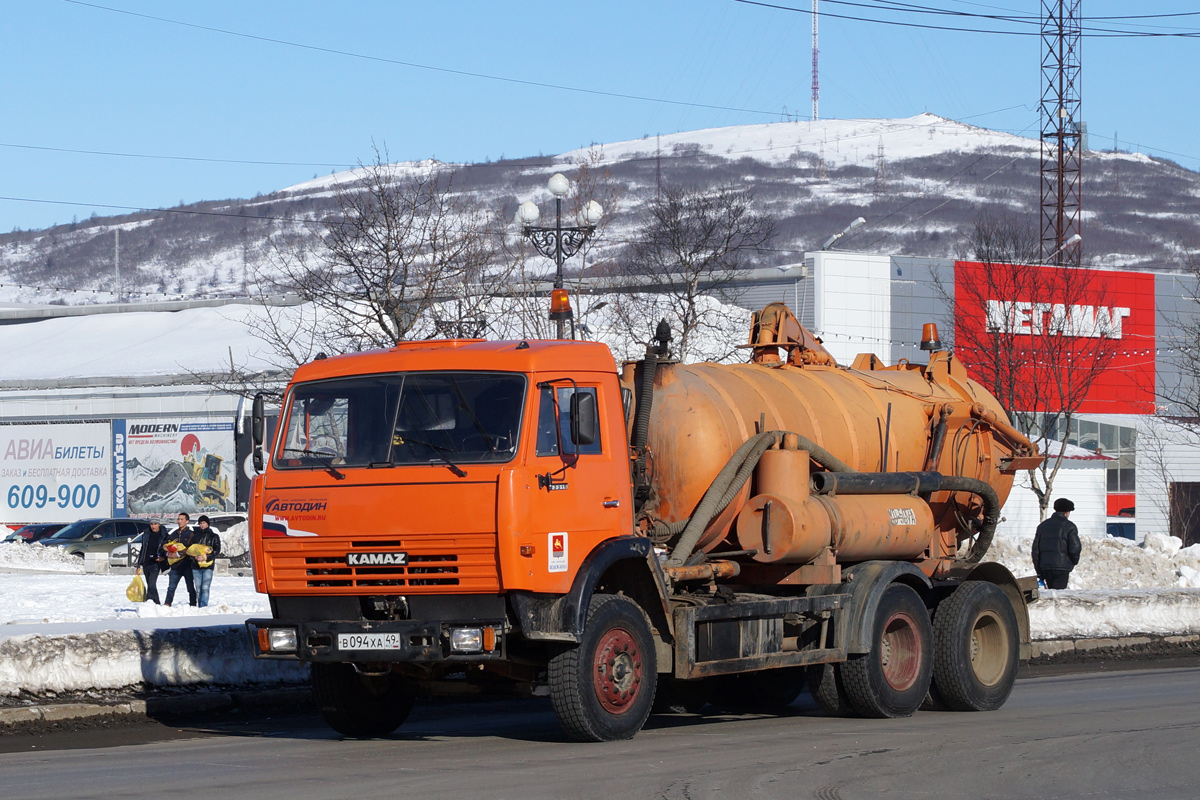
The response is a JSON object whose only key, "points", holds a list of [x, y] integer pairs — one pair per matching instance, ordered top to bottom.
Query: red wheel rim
{"points": [[900, 652], [617, 670]]}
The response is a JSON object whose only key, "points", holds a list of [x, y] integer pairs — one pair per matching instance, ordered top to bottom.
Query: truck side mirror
{"points": [[583, 418], [257, 430]]}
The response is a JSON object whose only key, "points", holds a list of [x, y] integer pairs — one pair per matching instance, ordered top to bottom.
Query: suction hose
{"points": [[729, 482], [991, 512]]}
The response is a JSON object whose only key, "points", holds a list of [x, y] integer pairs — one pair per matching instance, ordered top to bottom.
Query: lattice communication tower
{"points": [[816, 86], [1061, 142]]}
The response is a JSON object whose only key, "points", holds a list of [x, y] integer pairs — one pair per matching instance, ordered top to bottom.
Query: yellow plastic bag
{"points": [[175, 552], [200, 553], [137, 589]]}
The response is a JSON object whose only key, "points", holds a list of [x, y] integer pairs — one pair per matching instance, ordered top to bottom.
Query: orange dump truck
{"points": [[523, 517]]}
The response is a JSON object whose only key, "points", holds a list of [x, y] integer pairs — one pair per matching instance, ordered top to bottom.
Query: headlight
{"points": [[280, 640], [466, 640]]}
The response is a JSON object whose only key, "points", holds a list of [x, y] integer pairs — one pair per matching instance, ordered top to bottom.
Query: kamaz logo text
{"points": [[276, 506], [376, 559]]}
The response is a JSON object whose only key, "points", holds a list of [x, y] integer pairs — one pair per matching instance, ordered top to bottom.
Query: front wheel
{"points": [[976, 648], [893, 678], [603, 688], [357, 705]]}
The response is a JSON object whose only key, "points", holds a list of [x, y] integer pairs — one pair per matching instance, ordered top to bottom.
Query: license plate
{"points": [[368, 641]]}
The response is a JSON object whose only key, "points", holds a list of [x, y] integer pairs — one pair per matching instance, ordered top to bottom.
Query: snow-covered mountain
{"points": [[919, 182]]}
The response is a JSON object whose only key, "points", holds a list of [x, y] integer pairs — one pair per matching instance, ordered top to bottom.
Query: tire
{"points": [[976, 648], [894, 677], [826, 686], [603, 687], [767, 691], [681, 697], [357, 705]]}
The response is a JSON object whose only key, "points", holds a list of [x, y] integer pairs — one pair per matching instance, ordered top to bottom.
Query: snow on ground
{"points": [[1108, 563], [53, 598], [63, 630]]}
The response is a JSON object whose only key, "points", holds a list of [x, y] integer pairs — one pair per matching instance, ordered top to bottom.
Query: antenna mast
{"points": [[1062, 37], [816, 86]]}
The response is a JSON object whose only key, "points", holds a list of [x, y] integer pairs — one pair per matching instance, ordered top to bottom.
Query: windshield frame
{"points": [[314, 461]]}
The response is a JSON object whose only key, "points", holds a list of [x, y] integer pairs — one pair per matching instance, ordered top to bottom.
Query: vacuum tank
{"points": [[886, 440]]}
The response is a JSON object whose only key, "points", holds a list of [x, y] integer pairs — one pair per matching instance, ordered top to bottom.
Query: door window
{"points": [[554, 424]]}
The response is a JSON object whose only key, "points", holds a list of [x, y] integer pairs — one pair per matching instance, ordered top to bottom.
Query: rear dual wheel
{"points": [[977, 648], [892, 679]]}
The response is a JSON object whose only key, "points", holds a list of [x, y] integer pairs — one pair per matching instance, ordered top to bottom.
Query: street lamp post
{"points": [[859, 222], [561, 241], [1067, 245]]}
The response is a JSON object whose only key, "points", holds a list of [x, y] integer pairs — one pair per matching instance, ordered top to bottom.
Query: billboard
{"points": [[1058, 337], [179, 464], [57, 473]]}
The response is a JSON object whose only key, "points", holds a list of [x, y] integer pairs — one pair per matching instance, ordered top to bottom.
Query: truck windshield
{"points": [[406, 418]]}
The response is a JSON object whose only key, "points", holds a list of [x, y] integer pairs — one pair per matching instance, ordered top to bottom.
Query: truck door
{"points": [[581, 492]]}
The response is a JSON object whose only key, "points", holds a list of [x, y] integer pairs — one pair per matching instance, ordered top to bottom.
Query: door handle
{"points": [[612, 503]]}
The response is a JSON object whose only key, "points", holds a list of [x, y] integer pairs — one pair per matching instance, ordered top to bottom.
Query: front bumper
{"points": [[421, 641]]}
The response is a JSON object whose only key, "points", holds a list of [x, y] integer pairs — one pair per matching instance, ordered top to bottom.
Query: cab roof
{"points": [[533, 355]]}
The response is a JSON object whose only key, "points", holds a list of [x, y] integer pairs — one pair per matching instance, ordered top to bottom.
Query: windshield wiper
{"points": [[437, 451], [325, 459]]}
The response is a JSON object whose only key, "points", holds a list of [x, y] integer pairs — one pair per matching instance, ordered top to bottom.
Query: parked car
{"points": [[33, 533], [95, 535], [124, 555]]}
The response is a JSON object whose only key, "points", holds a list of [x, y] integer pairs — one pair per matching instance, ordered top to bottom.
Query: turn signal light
{"points": [[560, 304], [489, 639]]}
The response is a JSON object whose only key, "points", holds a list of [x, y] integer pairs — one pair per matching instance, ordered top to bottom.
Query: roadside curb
{"points": [[1051, 648], [153, 707]]}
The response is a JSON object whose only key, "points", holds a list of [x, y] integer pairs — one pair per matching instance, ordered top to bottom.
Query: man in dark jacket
{"points": [[1056, 546], [174, 549], [150, 560], [202, 567]]}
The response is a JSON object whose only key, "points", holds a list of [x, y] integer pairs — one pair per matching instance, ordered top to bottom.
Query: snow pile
{"points": [[235, 541], [21, 556], [1161, 562], [49, 598], [1091, 614], [38, 663]]}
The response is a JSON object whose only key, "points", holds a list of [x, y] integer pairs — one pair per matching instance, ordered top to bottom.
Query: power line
{"points": [[1093, 32], [415, 65], [173, 158]]}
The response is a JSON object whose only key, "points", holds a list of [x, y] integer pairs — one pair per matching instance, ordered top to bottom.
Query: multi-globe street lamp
{"points": [[561, 241]]}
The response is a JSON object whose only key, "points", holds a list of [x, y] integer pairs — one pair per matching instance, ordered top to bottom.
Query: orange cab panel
{"points": [[383, 538]]}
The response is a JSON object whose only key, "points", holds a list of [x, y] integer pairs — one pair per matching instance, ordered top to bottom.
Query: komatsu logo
{"points": [[376, 559]]}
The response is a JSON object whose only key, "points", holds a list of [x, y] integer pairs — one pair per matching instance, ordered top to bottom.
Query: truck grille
{"points": [[465, 562], [437, 570]]}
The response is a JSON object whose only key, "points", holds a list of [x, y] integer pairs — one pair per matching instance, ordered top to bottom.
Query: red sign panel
{"points": [[1053, 337]]}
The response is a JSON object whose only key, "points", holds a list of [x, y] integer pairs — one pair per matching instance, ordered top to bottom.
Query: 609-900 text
{"points": [[66, 496]]}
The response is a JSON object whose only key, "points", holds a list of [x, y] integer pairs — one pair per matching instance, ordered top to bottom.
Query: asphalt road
{"points": [[1109, 735]]}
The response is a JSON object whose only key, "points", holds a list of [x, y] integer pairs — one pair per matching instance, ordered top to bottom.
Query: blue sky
{"points": [[79, 77]]}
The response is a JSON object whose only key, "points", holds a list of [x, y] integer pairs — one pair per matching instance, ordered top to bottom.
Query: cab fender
{"points": [[627, 565]]}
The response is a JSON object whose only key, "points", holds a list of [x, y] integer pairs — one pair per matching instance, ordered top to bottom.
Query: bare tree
{"points": [[404, 256], [683, 265], [1037, 337]]}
